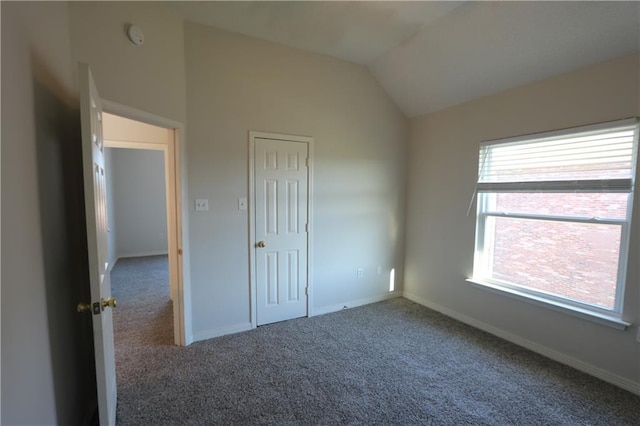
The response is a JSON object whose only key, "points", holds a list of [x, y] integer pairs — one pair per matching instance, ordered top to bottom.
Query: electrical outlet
{"points": [[242, 203], [202, 204], [360, 272]]}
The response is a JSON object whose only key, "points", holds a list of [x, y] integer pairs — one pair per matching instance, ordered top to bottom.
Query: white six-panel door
{"points": [[96, 217], [281, 221]]}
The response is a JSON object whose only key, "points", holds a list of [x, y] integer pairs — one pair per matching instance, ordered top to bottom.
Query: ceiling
{"points": [[430, 55]]}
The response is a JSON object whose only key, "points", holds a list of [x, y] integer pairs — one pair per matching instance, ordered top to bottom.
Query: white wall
{"points": [[236, 84], [442, 169], [139, 202], [47, 377]]}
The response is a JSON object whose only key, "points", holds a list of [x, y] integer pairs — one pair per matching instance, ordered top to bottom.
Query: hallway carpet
{"points": [[393, 362]]}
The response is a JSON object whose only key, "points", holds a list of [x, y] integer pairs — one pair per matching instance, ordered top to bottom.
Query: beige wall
{"points": [[150, 77], [236, 84], [120, 129], [442, 170], [136, 199], [47, 371]]}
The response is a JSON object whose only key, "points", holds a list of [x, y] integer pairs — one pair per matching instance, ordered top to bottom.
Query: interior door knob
{"points": [[261, 244], [110, 302], [84, 307]]}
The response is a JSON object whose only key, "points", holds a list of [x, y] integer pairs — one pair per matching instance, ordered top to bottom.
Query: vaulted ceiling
{"points": [[434, 54]]}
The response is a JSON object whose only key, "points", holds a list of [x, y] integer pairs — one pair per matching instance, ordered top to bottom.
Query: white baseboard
{"points": [[142, 254], [124, 256], [112, 264], [354, 303], [238, 328], [221, 331], [607, 376]]}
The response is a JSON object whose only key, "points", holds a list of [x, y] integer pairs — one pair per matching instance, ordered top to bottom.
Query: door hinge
{"points": [[306, 161], [306, 227], [306, 291]]}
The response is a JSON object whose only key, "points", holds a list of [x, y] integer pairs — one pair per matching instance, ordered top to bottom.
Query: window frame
{"points": [[480, 277]]}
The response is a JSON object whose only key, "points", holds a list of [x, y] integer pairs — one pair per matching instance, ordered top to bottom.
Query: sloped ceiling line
{"points": [[432, 55]]}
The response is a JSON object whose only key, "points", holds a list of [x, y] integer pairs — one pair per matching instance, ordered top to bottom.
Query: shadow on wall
{"points": [[62, 219]]}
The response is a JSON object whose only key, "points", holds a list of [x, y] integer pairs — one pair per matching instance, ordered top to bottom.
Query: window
{"points": [[553, 217]]}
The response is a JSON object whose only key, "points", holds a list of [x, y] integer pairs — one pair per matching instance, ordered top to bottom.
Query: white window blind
{"points": [[592, 160]]}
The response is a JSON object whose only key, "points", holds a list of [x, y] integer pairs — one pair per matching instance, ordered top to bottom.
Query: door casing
{"points": [[253, 135], [179, 287]]}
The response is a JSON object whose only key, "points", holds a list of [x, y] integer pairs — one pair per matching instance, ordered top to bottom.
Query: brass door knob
{"points": [[261, 244], [110, 302], [84, 307]]}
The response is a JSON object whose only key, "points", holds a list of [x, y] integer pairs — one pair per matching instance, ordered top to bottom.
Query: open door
{"points": [[96, 212]]}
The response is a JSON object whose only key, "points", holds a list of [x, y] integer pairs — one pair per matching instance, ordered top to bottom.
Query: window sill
{"points": [[599, 318]]}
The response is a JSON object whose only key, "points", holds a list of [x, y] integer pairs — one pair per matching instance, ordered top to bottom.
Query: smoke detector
{"points": [[135, 35]]}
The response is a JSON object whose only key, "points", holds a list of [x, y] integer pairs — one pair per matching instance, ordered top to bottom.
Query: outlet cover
{"points": [[202, 204], [360, 272]]}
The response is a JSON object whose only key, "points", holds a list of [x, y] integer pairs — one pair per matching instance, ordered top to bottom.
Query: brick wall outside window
{"points": [[574, 260]]}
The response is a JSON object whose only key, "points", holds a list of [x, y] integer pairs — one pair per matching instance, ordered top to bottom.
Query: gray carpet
{"points": [[393, 362]]}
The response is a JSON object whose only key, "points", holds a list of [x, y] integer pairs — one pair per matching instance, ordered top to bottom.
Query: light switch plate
{"points": [[242, 203], [202, 204]]}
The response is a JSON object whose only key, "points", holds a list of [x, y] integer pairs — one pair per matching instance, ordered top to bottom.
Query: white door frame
{"points": [[173, 174], [251, 217]]}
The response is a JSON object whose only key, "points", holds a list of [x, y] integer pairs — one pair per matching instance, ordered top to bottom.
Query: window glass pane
{"points": [[580, 204], [576, 261]]}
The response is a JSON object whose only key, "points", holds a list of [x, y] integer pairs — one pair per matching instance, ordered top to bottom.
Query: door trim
{"points": [[253, 135], [174, 174]]}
